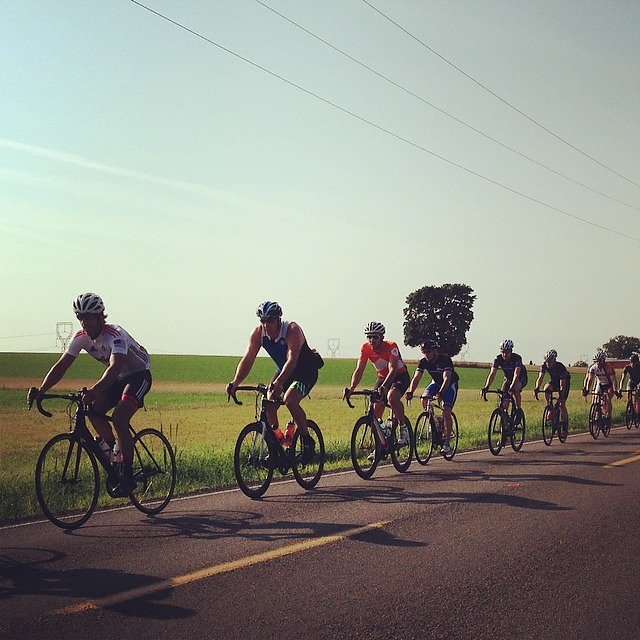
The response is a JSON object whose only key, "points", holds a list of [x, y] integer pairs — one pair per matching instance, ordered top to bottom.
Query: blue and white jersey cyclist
{"points": [[297, 367], [515, 374], [123, 385], [443, 386]]}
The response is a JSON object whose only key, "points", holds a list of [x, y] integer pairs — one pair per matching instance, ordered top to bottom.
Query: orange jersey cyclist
{"points": [[297, 367], [515, 373], [605, 374], [632, 374], [393, 377], [560, 382], [444, 384], [123, 385]]}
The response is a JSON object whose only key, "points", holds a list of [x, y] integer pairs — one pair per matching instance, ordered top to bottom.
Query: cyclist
{"points": [[297, 368], [515, 374], [605, 374], [393, 376], [560, 382], [633, 382], [444, 384], [123, 385]]}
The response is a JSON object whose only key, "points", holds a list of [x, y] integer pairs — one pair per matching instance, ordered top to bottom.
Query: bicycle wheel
{"points": [[628, 415], [595, 416], [547, 425], [606, 426], [563, 430], [494, 432], [518, 432], [453, 438], [423, 442], [365, 448], [402, 449], [253, 461], [154, 471], [308, 474], [67, 481]]}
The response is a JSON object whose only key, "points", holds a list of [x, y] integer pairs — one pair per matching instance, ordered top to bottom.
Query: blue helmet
{"points": [[269, 309]]}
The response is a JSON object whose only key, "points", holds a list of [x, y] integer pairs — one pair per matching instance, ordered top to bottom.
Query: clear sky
{"points": [[185, 185]]}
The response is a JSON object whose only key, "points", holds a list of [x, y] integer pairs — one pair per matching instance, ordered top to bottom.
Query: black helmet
{"points": [[429, 344]]}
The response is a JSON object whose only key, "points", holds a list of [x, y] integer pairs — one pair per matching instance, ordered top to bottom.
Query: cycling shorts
{"points": [[302, 381], [402, 382], [517, 385], [555, 386], [632, 386], [603, 387], [133, 389], [449, 396]]}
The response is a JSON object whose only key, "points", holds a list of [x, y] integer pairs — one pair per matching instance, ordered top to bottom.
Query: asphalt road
{"points": [[540, 544]]}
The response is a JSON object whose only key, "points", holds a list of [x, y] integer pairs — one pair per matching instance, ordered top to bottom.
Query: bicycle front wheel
{"points": [[628, 415], [595, 416], [547, 425], [563, 430], [518, 431], [494, 432], [423, 438], [453, 438], [365, 448], [402, 449], [253, 461], [154, 471], [308, 473], [67, 481]]}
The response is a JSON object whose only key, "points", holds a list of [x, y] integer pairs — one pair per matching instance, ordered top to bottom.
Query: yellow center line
{"points": [[621, 463], [207, 572]]}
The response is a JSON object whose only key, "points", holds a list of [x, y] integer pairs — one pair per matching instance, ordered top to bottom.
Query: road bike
{"points": [[631, 418], [597, 421], [505, 423], [551, 423], [429, 433], [372, 442], [259, 452], [67, 474]]}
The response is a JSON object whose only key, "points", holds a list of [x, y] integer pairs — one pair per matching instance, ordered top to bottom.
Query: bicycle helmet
{"points": [[88, 303], [269, 309], [376, 328], [430, 344], [506, 345], [552, 353], [599, 356], [634, 357]]}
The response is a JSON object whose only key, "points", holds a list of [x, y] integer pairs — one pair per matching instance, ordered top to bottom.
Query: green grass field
{"points": [[189, 404]]}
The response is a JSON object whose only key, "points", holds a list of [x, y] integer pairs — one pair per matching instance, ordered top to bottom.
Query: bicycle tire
{"points": [[628, 414], [595, 415], [547, 425], [606, 426], [495, 431], [518, 432], [563, 432], [423, 438], [453, 438], [364, 443], [402, 454], [253, 461], [154, 471], [307, 475], [67, 481]]}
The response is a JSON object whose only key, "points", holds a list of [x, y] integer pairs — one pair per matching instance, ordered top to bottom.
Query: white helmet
{"points": [[88, 303], [269, 309], [375, 328], [506, 345], [552, 353], [599, 356]]}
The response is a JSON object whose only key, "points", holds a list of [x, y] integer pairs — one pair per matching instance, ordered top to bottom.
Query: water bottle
{"points": [[440, 424], [388, 427], [278, 433], [288, 437], [105, 449], [117, 453]]}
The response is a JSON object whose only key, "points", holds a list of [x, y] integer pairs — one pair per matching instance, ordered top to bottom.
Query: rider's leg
{"points": [[394, 398], [292, 400], [607, 403], [446, 415], [102, 426]]}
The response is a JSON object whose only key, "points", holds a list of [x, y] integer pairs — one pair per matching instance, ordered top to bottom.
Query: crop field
{"points": [[188, 403]]}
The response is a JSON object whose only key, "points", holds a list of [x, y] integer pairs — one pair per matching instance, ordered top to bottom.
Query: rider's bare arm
{"points": [[295, 340], [249, 357], [56, 373], [357, 374], [415, 381]]}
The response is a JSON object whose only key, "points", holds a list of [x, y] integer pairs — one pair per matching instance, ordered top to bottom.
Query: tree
{"points": [[440, 313], [621, 346]]}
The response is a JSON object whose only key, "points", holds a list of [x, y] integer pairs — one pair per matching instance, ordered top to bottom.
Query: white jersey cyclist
{"points": [[112, 340], [602, 372]]}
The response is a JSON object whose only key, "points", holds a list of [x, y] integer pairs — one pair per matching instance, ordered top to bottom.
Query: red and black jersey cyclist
{"points": [[297, 367], [632, 371], [515, 374], [605, 374], [393, 376], [560, 382], [123, 385], [443, 386]]}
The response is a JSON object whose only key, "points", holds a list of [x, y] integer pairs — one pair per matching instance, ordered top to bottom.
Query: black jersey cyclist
{"points": [[515, 373], [632, 375], [560, 381]]}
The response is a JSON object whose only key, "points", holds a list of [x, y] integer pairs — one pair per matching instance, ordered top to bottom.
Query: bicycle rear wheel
{"points": [[628, 415], [595, 417], [547, 425], [495, 431], [518, 431], [423, 438], [453, 438], [365, 448], [402, 449], [253, 461], [154, 471], [308, 474], [67, 481]]}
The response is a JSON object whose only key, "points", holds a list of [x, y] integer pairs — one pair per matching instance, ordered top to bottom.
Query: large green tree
{"points": [[440, 313], [621, 346]]}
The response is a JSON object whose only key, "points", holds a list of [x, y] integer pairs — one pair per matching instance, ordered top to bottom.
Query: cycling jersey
{"points": [[112, 340], [381, 357], [509, 367], [437, 368], [557, 372], [603, 373], [634, 375]]}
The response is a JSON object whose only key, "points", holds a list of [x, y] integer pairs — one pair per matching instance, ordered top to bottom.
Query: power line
{"points": [[495, 95], [449, 115], [379, 127], [30, 335]]}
